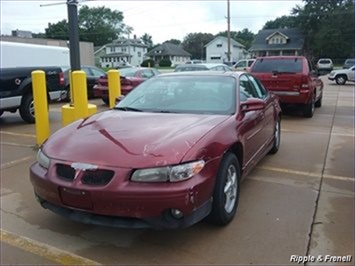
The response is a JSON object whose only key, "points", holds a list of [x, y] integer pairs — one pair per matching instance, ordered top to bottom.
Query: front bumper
{"points": [[122, 203]]}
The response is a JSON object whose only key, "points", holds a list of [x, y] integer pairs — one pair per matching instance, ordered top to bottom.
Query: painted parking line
{"points": [[320, 133], [18, 134], [17, 144], [14, 162], [303, 173], [43, 250]]}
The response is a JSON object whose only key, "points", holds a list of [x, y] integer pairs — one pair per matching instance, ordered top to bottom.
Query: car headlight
{"points": [[43, 160], [169, 173]]}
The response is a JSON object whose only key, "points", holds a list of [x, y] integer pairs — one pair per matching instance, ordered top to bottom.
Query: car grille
{"points": [[99, 177]]}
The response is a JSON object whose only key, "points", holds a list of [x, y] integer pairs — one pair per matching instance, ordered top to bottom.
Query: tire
{"points": [[340, 79], [106, 100], [319, 102], [308, 109], [27, 110], [277, 137], [226, 191]]}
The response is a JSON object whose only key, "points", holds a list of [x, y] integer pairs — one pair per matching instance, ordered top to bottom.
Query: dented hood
{"points": [[130, 139]]}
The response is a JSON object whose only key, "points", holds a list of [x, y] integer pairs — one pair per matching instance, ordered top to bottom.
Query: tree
{"points": [[280, 22], [99, 25], [328, 26], [59, 30], [244, 37], [147, 40], [174, 41], [194, 43]]}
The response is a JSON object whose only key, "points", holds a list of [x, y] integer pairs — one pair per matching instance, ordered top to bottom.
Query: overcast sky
{"points": [[163, 19]]}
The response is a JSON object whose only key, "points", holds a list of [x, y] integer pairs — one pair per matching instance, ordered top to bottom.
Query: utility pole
{"points": [[228, 31], [74, 46]]}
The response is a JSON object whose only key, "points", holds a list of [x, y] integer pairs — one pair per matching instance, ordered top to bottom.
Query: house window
{"points": [[219, 45], [134, 48], [112, 49], [123, 49], [139, 54], [215, 57]]}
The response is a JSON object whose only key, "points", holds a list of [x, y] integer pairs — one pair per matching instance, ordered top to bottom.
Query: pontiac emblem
{"points": [[83, 166]]}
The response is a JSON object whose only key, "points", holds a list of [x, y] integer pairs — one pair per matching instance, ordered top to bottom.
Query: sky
{"points": [[163, 20]]}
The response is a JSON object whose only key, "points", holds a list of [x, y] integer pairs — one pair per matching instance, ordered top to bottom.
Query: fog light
{"points": [[176, 213]]}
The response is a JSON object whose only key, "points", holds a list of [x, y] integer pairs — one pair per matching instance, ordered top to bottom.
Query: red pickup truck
{"points": [[292, 79]]}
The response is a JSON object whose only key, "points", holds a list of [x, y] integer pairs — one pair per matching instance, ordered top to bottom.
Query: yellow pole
{"points": [[148, 64], [114, 86], [71, 88], [80, 94], [41, 106]]}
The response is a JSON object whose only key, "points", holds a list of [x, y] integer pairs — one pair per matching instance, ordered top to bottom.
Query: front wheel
{"points": [[340, 79], [27, 109], [277, 137], [226, 191]]}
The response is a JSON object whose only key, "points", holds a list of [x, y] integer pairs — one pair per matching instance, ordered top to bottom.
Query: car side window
{"points": [[250, 63], [241, 64], [87, 71], [97, 73], [147, 73], [245, 89], [259, 89]]}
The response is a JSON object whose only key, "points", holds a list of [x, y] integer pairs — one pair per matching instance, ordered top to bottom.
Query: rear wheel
{"points": [[340, 79], [105, 100], [319, 102], [27, 109], [308, 110], [277, 137], [226, 191]]}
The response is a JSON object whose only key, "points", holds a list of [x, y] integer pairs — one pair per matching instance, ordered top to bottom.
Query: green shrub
{"points": [[145, 63], [165, 63]]}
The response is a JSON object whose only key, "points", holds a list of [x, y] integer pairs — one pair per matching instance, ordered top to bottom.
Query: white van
{"points": [[243, 64]]}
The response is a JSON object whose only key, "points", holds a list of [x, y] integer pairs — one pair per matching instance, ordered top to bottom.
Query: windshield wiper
{"points": [[127, 108], [164, 112]]}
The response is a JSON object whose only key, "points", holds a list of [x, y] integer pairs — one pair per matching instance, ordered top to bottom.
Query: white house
{"points": [[217, 50], [123, 51]]}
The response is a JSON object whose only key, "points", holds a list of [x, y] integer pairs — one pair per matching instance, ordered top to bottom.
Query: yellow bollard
{"points": [[114, 86], [71, 94], [80, 94], [41, 106]]}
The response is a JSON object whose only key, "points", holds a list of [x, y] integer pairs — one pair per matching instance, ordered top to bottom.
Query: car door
{"points": [[241, 65], [351, 74], [268, 112], [253, 123]]}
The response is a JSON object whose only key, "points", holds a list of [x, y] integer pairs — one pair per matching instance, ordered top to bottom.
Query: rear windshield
{"points": [[324, 61], [350, 61], [289, 65]]}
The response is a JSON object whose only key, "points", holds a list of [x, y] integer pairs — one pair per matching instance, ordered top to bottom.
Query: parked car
{"points": [[194, 61], [349, 63], [325, 64], [243, 65], [190, 67], [217, 67], [92, 74], [341, 76], [130, 78], [292, 79], [16, 89], [171, 153]]}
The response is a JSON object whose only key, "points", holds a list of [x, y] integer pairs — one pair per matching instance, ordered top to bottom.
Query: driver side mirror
{"points": [[252, 104]]}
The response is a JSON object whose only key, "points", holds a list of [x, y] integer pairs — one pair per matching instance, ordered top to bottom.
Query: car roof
{"points": [[210, 65], [235, 74]]}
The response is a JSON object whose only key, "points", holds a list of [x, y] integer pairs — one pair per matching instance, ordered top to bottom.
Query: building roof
{"points": [[225, 39], [295, 40], [126, 42], [168, 49], [114, 55]]}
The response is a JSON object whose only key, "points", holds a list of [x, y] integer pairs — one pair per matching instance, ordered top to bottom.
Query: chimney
{"points": [[135, 36]]}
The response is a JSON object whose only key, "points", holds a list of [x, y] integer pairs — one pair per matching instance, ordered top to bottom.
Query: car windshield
{"points": [[324, 61], [282, 65], [190, 68], [127, 72], [183, 94]]}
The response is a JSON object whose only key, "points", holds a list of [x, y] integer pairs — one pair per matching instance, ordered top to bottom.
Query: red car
{"points": [[130, 78], [292, 78], [171, 153]]}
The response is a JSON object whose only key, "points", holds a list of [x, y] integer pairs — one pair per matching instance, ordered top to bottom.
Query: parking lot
{"points": [[298, 202]]}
